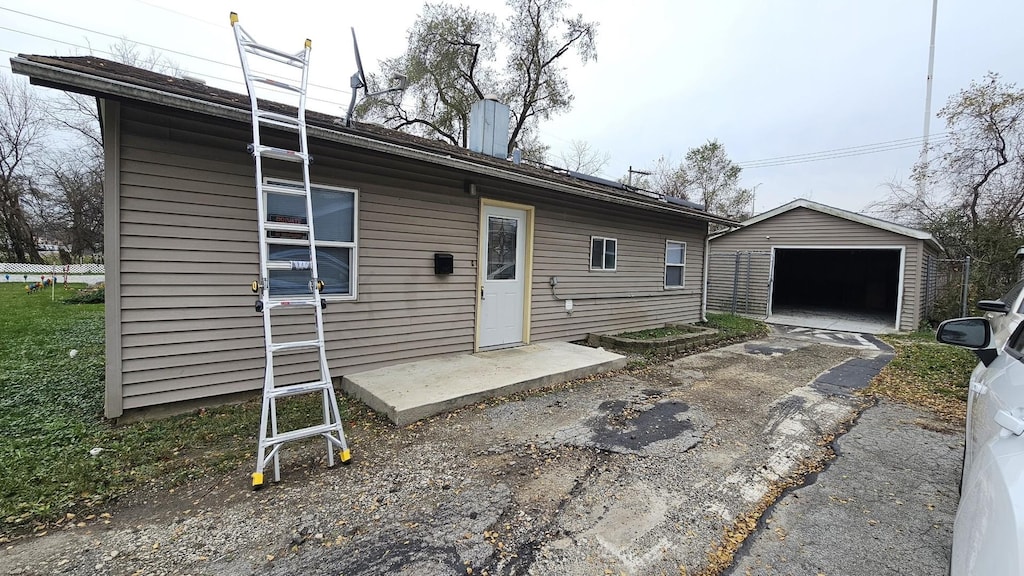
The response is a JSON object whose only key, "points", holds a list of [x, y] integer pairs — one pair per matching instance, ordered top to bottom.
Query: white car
{"points": [[1005, 313], [988, 534]]}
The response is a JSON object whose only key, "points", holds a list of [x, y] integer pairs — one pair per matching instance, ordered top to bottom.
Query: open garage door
{"points": [[852, 289]]}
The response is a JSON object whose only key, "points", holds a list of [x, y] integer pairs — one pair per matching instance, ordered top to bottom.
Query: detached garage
{"points": [[808, 264]]}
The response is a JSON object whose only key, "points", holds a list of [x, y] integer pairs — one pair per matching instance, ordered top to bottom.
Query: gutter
{"points": [[55, 76]]}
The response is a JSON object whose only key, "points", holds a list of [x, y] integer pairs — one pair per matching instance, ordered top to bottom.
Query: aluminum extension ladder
{"points": [[286, 234]]}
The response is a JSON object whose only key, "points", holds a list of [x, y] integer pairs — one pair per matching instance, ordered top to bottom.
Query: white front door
{"points": [[503, 272]]}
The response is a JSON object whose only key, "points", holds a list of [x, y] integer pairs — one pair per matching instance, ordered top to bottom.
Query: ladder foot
{"points": [[346, 457], [257, 480]]}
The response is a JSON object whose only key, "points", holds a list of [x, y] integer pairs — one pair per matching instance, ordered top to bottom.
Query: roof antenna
{"points": [[399, 83]]}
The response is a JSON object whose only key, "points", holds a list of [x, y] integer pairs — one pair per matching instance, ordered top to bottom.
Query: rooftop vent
{"points": [[488, 127]]}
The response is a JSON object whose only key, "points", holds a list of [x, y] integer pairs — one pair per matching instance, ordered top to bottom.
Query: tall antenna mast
{"points": [[928, 103]]}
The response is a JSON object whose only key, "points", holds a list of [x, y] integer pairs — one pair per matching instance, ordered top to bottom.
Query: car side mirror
{"points": [[993, 306], [972, 333]]}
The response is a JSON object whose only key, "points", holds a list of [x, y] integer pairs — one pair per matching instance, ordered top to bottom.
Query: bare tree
{"points": [[131, 53], [450, 63], [23, 127], [582, 157], [970, 196]]}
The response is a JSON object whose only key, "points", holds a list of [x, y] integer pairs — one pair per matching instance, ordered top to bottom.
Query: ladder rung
{"points": [[293, 59], [278, 84], [278, 119], [269, 122], [279, 153], [279, 189], [286, 227], [289, 264], [288, 303], [296, 345], [294, 389], [302, 433]]}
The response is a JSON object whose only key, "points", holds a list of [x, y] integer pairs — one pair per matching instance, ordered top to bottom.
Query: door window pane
{"points": [[501, 248]]}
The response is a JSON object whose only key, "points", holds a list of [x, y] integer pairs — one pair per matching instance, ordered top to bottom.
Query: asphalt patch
{"points": [[765, 349], [850, 376], [627, 427]]}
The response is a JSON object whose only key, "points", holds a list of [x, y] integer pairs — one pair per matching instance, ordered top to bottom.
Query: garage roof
{"points": [[845, 214]]}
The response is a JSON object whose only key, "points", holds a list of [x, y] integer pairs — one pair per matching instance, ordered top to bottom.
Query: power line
{"points": [[172, 11], [125, 38], [203, 75], [902, 141], [839, 152], [834, 156]]}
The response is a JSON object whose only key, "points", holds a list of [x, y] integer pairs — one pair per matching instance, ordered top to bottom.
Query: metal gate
{"points": [[738, 282]]}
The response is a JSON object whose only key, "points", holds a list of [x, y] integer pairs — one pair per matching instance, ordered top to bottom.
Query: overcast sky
{"points": [[784, 78]]}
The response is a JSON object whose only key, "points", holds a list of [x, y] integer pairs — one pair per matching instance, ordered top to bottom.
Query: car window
{"points": [[1011, 295], [1016, 344]]}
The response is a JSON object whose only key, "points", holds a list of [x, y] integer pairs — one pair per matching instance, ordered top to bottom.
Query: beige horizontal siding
{"points": [[805, 227], [188, 253]]}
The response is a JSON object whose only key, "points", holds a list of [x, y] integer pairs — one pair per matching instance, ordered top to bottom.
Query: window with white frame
{"points": [[335, 215], [603, 253], [675, 264]]}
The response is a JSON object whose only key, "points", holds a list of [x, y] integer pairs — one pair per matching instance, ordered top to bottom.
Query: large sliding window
{"points": [[335, 228]]}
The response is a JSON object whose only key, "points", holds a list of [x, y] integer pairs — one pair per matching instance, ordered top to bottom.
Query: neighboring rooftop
{"points": [[100, 77], [840, 213]]}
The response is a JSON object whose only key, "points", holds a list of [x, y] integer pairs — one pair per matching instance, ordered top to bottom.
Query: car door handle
{"points": [[481, 292], [978, 387], [1012, 423]]}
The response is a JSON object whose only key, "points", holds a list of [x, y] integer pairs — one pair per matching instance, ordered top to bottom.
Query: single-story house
{"points": [[181, 243], [808, 260]]}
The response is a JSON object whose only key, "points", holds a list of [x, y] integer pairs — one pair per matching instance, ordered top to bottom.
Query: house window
{"points": [[335, 227], [603, 253], [675, 264]]}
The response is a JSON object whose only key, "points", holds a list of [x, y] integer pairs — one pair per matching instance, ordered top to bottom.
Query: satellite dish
{"points": [[359, 78], [358, 81]]}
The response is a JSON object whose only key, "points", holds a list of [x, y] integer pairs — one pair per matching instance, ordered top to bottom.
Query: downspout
{"points": [[704, 289]]}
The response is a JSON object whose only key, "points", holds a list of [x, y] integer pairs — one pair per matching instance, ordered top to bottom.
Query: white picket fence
{"points": [[74, 273]]}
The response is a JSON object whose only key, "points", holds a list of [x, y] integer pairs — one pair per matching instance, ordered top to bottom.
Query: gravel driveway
{"points": [[646, 472]]}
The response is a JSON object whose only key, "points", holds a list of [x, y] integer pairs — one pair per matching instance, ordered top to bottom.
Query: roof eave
{"points": [[73, 80]]}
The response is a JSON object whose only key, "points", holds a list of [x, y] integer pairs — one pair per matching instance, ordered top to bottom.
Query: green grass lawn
{"points": [[731, 326], [926, 373], [51, 407]]}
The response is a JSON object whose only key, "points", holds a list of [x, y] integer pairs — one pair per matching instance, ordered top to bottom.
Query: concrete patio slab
{"points": [[409, 392]]}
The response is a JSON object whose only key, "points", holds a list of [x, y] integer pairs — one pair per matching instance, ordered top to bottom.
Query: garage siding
{"points": [[805, 227], [187, 253]]}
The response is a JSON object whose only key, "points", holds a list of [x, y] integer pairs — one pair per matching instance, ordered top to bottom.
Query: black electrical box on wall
{"points": [[444, 263]]}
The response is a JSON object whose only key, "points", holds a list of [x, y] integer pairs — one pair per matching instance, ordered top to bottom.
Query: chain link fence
{"points": [[945, 284]]}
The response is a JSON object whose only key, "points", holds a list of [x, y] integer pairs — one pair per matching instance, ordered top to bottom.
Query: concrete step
{"points": [[415, 390]]}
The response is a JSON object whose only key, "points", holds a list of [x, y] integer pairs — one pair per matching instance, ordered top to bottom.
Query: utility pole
{"points": [[928, 103]]}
